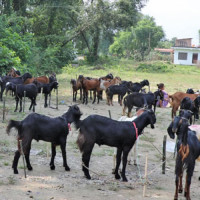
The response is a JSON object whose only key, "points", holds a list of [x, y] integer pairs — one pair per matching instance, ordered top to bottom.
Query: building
{"points": [[185, 53]]}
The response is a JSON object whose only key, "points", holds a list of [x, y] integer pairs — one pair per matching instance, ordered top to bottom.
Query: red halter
{"points": [[136, 130]]}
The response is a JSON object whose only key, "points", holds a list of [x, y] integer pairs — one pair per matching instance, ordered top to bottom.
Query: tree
{"points": [[139, 40]]}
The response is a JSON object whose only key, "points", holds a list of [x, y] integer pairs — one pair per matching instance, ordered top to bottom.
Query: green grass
{"points": [[178, 79]]}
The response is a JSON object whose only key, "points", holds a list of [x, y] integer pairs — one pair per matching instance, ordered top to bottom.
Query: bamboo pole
{"points": [[57, 98], [164, 154], [145, 176]]}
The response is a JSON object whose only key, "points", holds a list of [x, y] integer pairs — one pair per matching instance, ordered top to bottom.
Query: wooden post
{"points": [[57, 98], [50, 100], [24, 101], [4, 108], [109, 114], [22, 153], [164, 154], [145, 176]]}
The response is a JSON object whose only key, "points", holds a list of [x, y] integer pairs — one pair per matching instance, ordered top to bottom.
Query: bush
{"points": [[153, 67]]}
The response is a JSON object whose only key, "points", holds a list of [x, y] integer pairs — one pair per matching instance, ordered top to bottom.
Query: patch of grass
{"points": [[147, 138], [4, 143], [6, 163], [11, 180], [159, 188]]}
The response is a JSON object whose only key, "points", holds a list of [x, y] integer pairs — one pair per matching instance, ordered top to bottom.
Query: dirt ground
{"points": [[44, 184]]}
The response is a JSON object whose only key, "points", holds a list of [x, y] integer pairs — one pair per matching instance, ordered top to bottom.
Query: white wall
{"points": [[189, 56]]}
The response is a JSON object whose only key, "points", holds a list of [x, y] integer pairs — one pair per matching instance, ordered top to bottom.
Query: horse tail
{"points": [[13, 124], [81, 141]]}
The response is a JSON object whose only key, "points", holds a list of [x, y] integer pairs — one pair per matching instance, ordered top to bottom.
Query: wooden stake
{"points": [[57, 98], [50, 100], [4, 108], [109, 112], [164, 154], [145, 176]]}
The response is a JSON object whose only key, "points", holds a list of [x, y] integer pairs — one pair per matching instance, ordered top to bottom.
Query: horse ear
{"points": [[170, 132]]}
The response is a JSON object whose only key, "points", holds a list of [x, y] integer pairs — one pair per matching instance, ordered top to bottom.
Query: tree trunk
{"points": [[95, 43]]}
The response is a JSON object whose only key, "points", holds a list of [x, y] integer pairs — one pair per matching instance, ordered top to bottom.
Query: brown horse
{"points": [[13, 73], [40, 79], [93, 84], [105, 84]]}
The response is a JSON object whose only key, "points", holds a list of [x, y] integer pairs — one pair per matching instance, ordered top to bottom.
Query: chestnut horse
{"points": [[93, 84]]}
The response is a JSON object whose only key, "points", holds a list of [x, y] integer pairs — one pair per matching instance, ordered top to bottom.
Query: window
{"points": [[182, 56]]}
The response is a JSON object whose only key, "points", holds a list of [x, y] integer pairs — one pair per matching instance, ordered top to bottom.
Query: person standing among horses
{"points": [[163, 103]]}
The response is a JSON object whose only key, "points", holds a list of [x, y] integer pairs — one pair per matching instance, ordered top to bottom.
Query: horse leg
{"points": [[81, 94], [94, 94], [75, 95], [90, 95], [98, 96], [86, 97], [111, 99], [45, 100], [17, 101], [120, 101], [20, 103], [31, 104], [129, 111], [63, 149], [126, 150], [135, 152], [53, 154], [27, 155], [119, 155], [86, 159], [15, 161], [114, 161], [178, 172], [189, 175], [180, 188]]}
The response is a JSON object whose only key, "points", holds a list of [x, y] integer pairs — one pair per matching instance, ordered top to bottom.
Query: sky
{"points": [[178, 18]]}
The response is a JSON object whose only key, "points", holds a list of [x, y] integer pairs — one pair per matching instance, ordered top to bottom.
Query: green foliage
{"points": [[137, 41], [122, 44], [7, 59], [153, 67]]}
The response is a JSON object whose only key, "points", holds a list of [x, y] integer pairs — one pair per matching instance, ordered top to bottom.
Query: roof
{"points": [[164, 50]]}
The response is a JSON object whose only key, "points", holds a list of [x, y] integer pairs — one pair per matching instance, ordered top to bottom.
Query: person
{"points": [[165, 101]]}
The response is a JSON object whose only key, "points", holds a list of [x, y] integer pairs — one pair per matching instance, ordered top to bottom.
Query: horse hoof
{"points": [[52, 167], [30, 168], [67, 168], [16, 171], [117, 176], [88, 177], [125, 179], [180, 190]]}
